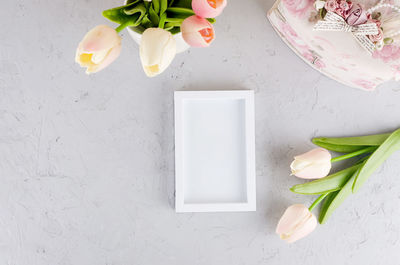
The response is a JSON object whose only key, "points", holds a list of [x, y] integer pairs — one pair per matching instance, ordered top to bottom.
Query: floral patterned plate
{"points": [[337, 53]]}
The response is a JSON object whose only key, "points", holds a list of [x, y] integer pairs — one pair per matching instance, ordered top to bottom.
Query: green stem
{"points": [[121, 27], [356, 153], [317, 201]]}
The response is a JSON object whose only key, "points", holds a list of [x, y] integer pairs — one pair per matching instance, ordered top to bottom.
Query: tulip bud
{"points": [[208, 8], [197, 31], [99, 48], [157, 50], [314, 164], [296, 223]]}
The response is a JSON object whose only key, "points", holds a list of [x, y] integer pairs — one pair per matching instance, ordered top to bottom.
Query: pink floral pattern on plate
{"points": [[298, 8], [292, 37], [388, 53], [308, 54], [366, 84]]}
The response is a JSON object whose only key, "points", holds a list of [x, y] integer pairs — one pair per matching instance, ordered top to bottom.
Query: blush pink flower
{"points": [[331, 5], [344, 5], [208, 8], [298, 8], [356, 15], [377, 22], [197, 31], [378, 37], [98, 49], [388, 53], [368, 85], [314, 164], [296, 223]]}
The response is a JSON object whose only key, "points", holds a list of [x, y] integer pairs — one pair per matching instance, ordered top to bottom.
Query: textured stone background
{"points": [[87, 162]]}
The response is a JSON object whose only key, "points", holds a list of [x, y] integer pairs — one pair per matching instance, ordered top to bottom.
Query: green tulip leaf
{"points": [[183, 3], [156, 5], [163, 6], [180, 11], [129, 15], [163, 17], [154, 18], [174, 20], [146, 23], [172, 24], [175, 30], [350, 144], [386, 149], [329, 183], [333, 203], [325, 205]]}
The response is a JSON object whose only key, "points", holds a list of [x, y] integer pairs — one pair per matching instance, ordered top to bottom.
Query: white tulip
{"points": [[98, 49], [157, 50]]}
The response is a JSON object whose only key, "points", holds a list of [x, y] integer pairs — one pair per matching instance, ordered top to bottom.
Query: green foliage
{"points": [[140, 14], [350, 144], [386, 149], [330, 183], [335, 188]]}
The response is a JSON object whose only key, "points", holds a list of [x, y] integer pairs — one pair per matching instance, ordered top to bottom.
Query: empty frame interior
{"points": [[214, 151]]}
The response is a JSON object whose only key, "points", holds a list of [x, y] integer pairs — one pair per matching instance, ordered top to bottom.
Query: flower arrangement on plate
{"points": [[368, 26], [162, 28], [355, 42]]}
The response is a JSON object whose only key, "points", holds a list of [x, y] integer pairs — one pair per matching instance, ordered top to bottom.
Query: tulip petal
{"points": [[208, 8], [197, 31], [100, 38], [98, 49], [157, 50], [110, 57], [317, 155], [312, 165], [311, 171], [290, 218], [296, 223], [309, 225]]}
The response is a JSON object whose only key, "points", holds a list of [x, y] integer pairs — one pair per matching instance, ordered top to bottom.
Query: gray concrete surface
{"points": [[87, 162]]}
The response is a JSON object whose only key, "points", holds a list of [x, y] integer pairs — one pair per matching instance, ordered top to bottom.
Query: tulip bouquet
{"points": [[158, 22], [298, 220]]}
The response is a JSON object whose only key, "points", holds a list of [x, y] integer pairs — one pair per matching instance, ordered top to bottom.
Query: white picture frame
{"points": [[214, 151]]}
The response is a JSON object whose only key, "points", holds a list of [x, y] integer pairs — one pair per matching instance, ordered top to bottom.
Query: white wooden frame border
{"points": [[250, 205]]}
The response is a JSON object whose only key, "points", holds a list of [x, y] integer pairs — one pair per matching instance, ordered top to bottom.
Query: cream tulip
{"points": [[208, 8], [197, 31], [98, 49], [157, 50], [314, 164], [296, 223]]}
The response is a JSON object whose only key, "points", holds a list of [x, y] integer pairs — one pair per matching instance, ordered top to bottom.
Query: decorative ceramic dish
{"points": [[333, 43]]}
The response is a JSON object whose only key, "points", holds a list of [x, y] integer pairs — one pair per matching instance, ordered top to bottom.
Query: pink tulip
{"points": [[208, 8], [197, 31], [98, 49], [314, 164], [296, 223]]}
